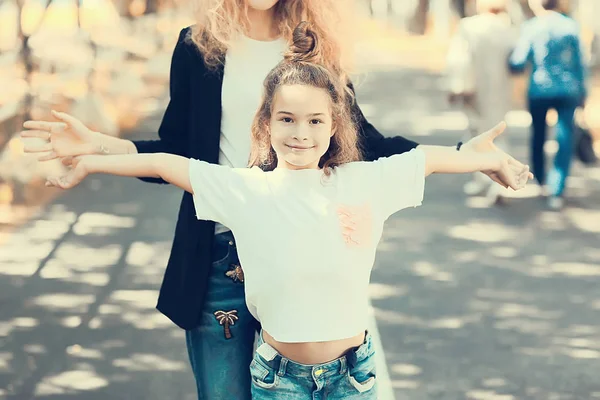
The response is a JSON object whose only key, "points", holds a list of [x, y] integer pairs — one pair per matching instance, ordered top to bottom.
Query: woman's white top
{"points": [[247, 64]]}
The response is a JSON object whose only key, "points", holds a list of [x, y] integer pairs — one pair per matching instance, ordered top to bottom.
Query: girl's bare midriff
{"points": [[314, 352]]}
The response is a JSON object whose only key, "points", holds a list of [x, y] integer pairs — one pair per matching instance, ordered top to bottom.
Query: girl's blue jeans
{"points": [[350, 377]]}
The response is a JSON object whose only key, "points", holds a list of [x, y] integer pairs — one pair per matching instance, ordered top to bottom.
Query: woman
{"points": [[217, 70]]}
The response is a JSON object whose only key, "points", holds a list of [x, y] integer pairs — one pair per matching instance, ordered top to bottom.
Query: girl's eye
{"points": [[287, 120], [316, 121]]}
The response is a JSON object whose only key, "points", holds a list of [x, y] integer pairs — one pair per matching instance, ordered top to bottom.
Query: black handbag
{"points": [[584, 145]]}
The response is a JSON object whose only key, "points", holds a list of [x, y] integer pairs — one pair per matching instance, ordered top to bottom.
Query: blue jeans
{"points": [[565, 107], [220, 349], [349, 377]]}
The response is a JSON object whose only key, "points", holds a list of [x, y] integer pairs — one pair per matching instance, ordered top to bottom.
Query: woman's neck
{"points": [[262, 25]]}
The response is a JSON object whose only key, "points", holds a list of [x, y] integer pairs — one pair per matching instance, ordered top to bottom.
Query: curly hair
{"points": [[218, 22], [299, 68]]}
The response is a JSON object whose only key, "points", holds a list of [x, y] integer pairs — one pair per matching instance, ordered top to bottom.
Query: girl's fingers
{"points": [[40, 148], [67, 161]]}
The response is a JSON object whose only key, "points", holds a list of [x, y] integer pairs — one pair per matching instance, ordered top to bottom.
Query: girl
{"points": [[217, 71], [307, 218]]}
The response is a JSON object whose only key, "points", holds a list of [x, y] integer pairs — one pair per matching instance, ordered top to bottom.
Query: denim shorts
{"points": [[350, 377]]}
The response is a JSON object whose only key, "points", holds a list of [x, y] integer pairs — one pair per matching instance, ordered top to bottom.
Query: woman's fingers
{"points": [[69, 119], [45, 126], [34, 134], [47, 157], [494, 176], [61, 182]]}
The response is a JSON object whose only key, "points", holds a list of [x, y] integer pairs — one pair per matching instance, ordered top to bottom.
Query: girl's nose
{"points": [[301, 134]]}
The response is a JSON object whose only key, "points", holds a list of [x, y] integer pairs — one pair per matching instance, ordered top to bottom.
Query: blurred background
{"points": [[477, 300]]}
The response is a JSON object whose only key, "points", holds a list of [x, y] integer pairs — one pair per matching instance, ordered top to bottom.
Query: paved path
{"points": [[471, 302]]}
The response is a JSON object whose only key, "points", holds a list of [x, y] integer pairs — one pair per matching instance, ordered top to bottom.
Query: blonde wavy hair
{"points": [[218, 22], [299, 68]]}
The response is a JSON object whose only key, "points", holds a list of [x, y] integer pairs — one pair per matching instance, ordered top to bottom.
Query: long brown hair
{"points": [[219, 21], [299, 68]]}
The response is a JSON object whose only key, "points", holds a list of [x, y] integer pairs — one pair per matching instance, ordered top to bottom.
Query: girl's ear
{"points": [[333, 128]]}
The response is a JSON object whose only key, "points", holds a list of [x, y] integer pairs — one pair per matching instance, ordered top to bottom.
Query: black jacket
{"points": [[191, 127]]}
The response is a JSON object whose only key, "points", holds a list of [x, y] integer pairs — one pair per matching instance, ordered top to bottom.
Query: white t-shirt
{"points": [[247, 63], [306, 271]]}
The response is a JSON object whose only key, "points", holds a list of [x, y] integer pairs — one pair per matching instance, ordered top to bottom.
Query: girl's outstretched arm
{"points": [[171, 168]]}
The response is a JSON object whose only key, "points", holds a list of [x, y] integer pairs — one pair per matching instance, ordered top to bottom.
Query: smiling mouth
{"points": [[298, 148]]}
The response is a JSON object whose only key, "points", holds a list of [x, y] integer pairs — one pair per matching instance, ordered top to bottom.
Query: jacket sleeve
{"points": [[522, 52], [173, 130], [372, 143]]}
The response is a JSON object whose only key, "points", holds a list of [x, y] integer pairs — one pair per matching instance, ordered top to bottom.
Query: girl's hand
{"points": [[70, 137], [484, 143], [76, 174]]}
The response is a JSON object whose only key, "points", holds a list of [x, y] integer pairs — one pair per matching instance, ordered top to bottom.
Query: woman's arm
{"points": [[70, 137], [443, 160]]}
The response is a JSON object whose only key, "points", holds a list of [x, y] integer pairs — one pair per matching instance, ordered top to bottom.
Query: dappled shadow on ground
{"points": [[78, 290], [480, 302]]}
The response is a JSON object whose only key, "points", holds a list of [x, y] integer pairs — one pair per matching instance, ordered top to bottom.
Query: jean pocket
{"points": [[263, 376], [363, 376], [362, 387]]}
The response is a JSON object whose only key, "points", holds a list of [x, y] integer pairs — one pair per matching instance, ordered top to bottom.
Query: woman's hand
{"points": [[70, 137], [484, 143], [508, 170], [73, 177]]}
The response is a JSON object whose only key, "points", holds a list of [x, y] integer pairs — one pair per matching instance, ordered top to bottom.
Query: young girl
{"points": [[217, 71], [307, 218]]}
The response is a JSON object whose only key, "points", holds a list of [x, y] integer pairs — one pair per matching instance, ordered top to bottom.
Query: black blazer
{"points": [[191, 127]]}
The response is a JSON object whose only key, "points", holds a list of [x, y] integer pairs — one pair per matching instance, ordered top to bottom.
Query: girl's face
{"points": [[261, 5], [300, 126]]}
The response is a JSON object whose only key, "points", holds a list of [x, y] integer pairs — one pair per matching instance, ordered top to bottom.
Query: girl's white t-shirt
{"points": [[307, 242]]}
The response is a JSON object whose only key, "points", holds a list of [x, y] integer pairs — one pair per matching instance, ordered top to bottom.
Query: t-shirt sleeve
{"points": [[401, 181], [218, 191]]}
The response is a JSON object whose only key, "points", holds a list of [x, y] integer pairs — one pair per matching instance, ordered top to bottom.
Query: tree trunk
{"points": [[152, 6], [460, 7], [418, 22], [26, 58], [227, 330]]}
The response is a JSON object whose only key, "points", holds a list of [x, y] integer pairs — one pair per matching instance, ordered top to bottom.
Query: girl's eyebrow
{"points": [[308, 115]]}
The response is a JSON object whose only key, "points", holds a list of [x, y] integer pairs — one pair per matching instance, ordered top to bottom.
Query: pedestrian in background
{"points": [[551, 43], [479, 79]]}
